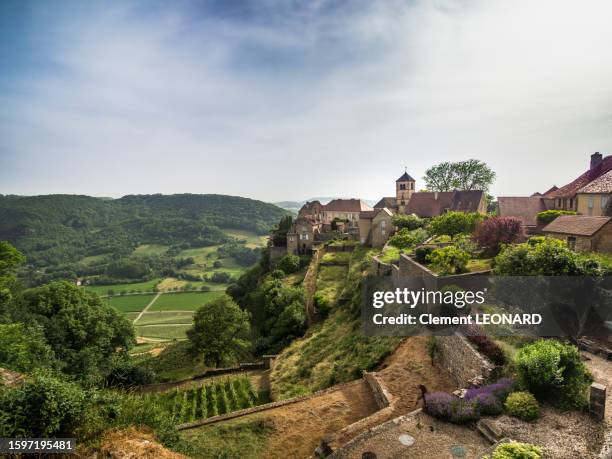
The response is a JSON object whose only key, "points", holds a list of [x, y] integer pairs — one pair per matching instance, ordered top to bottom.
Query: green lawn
{"points": [[252, 240], [150, 249], [148, 286], [189, 301], [130, 303], [165, 317], [166, 331]]}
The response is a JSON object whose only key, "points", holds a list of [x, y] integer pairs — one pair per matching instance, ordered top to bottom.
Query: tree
{"points": [[463, 175], [410, 222], [453, 223], [495, 231], [404, 238], [10, 259], [449, 260], [289, 264], [83, 331], [220, 331], [24, 348]]}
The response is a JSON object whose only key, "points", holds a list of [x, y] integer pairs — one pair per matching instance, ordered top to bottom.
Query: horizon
{"points": [[257, 98]]}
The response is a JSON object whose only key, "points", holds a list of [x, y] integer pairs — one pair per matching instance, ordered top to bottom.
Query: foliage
{"points": [[463, 175], [547, 216], [409, 222], [454, 223], [492, 232], [279, 234], [405, 238], [421, 253], [544, 257], [449, 260], [289, 264], [322, 305], [82, 330], [220, 330], [477, 336], [433, 347], [24, 348], [554, 371], [126, 373], [523, 405], [43, 406], [449, 408], [516, 450]]}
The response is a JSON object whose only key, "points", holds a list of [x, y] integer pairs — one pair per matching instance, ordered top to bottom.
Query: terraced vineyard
{"points": [[210, 400]]}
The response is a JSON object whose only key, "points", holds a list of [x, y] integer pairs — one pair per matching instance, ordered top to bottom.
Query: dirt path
{"points": [[146, 308]]}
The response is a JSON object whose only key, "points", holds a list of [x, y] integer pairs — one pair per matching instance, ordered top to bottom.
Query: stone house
{"points": [[593, 198], [344, 209], [375, 227], [581, 232], [302, 234]]}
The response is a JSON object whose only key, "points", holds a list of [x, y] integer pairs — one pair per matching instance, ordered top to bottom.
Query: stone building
{"points": [[593, 198], [345, 210], [375, 227], [582, 233], [302, 234]]}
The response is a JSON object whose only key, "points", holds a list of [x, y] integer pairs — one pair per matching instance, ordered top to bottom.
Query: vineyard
{"points": [[210, 400]]}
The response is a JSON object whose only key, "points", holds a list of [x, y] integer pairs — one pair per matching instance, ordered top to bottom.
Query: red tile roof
{"points": [[602, 184], [550, 190], [569, 190], [346, 205], [524, 208], [579, 225]]}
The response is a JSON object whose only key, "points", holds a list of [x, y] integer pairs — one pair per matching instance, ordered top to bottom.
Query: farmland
{"points": [[188, 301], [130, 303]]}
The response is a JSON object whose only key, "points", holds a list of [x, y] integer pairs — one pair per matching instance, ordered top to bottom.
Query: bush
{"points": [[547, 216], [410, 222], [453, 223], [495, 231], [405, 238], [421, 253], [449, 260], [289, 264], [322, 304], [477, 336], [555, 371], [126, 373], [499, 390], [488, 404], [523, 405], [449, 408], [516, 450]]}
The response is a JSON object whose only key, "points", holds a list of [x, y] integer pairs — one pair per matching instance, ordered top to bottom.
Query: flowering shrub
{"points": [[499, 390], [488, 404]]}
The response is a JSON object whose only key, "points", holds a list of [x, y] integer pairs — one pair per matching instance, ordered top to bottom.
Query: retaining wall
{"points": [[467, 366]]}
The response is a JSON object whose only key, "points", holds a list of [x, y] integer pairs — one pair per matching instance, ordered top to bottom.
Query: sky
{"points": [[285, 100]]}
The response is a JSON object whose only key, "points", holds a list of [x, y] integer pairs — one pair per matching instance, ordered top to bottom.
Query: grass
{"points": [[251, 239], [150, 249], [390, 254], [339, 258], [479, 264], [330, 281], [170, 283], [147, 286], [188, 301], [130, 303], [165, 317], [168, 332], [235, 439]]}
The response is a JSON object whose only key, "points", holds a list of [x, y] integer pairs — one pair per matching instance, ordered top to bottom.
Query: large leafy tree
{"points": [[471, 174], [454, 223], [10, 259], [220, 331]]}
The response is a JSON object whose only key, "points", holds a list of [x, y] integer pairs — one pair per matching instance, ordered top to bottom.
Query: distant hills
{"points": [[294, 206]]}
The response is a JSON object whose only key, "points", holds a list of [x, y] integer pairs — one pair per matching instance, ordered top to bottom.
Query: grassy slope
{"points": [[148, 286], [189, 301], [130, 303], [333, 351]]}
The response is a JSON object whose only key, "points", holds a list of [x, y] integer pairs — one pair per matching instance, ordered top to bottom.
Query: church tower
{"points": [[404, 187]]}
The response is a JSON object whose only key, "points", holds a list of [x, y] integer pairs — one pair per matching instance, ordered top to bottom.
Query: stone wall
{"points": [[277, 252], [380, 268], [467, 366]]}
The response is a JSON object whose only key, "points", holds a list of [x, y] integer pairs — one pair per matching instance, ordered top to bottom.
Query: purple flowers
{"points": [[481, 401]]}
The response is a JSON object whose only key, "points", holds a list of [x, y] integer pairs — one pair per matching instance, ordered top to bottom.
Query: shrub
{"points": [[548, 216], [410, 222], [453, 223], [495, 231], [405, 239], [421, 253], [449, 260], [289, 264], [322, 304], [488, 347], [555, 371], [499, 390], [488, 404], [523, 405], [449, 408], [516, 450]]}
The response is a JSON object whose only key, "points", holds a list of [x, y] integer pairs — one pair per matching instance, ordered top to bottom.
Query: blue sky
{"points": [[281, 100]]}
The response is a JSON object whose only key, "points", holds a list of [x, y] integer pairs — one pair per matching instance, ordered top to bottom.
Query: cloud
{"points": [[273, 100]]}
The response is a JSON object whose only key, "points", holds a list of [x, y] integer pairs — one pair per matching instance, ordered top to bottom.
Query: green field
{"points": [[252, 240], [150, 249], [148, 286], [189, 301], [130, 303], [165, 317], [167, 332]]}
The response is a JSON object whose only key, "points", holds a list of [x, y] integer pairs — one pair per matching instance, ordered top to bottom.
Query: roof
{"points": [[405, 178], [602, 184], [551, 190], [569, 190], [388, 202], [431, 203], [346, 205], [524, 208], [370, 214], [579, 225]]}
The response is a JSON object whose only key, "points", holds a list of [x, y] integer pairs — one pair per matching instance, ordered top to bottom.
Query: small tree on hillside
{"points": [[495, 231], [220, 331]]}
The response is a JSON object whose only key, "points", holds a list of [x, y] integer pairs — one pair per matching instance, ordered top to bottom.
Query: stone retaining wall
{"points": [[380, 268], [467, 366]]}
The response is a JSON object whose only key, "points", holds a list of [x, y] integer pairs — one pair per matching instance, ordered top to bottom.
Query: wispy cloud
{"points": [[276, 100]]}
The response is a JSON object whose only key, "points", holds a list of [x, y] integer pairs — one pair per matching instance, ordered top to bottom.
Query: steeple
{"points": [[404, 187]]}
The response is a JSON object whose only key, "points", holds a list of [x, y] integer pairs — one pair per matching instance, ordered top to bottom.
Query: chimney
{"points": [[596, 159]]}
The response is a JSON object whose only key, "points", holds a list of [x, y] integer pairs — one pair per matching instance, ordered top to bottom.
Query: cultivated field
{"points": [[130, 303]]}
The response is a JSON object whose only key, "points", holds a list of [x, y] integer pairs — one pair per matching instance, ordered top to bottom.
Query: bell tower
{"points": [[404, 187]]}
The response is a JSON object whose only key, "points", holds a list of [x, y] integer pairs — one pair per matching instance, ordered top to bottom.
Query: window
{"points": [[402, 186], [412, 186], [604, 201], [590, 202], [571, 205], [383, 224], [303, 237], [571, 242]]}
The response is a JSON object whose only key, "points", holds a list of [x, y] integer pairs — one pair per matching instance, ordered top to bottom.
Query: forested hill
{"points": [[54, 229]]}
